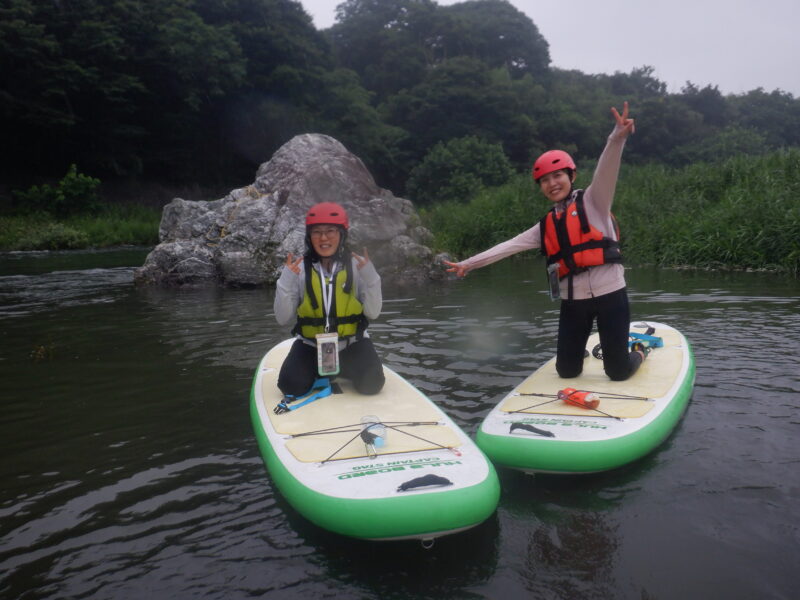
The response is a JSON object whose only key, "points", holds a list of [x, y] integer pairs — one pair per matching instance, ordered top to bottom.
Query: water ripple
{"points": [[22, 295], [131, 470]]}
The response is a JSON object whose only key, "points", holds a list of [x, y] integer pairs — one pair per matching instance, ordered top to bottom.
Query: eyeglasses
{"points": [[327, 232]]}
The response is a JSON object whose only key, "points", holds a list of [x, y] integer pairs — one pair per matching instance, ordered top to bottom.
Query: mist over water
{"points": [[130, 468]]}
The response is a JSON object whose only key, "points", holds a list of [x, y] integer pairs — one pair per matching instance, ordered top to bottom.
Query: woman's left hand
{"points": [[625, 126], [361, 261], [456, 267]]}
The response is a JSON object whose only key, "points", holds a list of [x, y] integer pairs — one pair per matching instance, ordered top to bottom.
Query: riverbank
{"points": [[743, 213], [128, 214], [114, 225]]}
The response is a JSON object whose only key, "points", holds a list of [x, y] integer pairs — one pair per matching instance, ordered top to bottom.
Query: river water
{"points": [[130, 468]]}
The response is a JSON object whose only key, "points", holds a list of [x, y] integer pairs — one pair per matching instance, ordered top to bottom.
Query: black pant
{"points": [[613, 322], [358, 362]]}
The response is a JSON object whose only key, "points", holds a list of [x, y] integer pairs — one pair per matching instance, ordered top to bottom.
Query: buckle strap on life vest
{"points": [[582, 212], [604, 243], [360, 320], [319, 321]]}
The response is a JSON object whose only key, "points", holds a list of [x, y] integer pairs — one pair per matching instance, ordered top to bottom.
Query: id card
{"points": [[552, 282], [328, 353]]}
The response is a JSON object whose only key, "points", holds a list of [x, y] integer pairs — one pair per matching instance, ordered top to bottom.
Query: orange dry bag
{"points": [[578, 398]]}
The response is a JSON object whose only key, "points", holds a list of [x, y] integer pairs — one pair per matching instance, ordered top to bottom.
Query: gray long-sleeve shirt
{"points": [[598, 198], [291, 287]]}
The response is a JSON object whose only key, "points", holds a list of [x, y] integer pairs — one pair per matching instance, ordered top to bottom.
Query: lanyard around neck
{"points": [[327, 292]]}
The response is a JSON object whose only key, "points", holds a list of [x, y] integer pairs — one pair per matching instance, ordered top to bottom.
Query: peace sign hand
{"points": [[624, 126], [361, 261], [294, 264]]}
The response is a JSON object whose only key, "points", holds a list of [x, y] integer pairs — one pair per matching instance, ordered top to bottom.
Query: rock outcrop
{"points": [[243, 239]]}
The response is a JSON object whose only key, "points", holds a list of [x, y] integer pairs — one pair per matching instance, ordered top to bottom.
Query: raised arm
{"points": [[604, 183]]}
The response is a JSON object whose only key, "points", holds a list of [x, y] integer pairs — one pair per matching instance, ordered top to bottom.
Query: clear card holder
{"points": [[552, 281], [328, 354]]}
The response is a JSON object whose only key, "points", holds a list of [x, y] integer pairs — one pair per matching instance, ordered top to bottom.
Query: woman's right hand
{"points": [[623, 126], [293, 264], [458, 268]]}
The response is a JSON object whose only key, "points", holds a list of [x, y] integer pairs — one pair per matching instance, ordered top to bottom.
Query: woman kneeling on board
{"points": [[580, 239], [329, 294]]}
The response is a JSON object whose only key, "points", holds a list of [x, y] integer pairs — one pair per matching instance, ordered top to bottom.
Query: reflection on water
{"points": [[130, 467]]}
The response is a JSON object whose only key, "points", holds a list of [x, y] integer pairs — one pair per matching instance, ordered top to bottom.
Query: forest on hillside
{"points": [[205, 90]]}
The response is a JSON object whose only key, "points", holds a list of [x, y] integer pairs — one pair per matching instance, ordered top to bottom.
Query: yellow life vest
{"points": [[347, 317]]}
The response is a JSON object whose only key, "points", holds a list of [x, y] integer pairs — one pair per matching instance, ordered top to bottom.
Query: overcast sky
{"points": [[737, 45]]}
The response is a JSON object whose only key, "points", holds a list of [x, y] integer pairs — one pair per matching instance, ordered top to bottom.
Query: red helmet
{"points": [[552, 160], [327, 213]]}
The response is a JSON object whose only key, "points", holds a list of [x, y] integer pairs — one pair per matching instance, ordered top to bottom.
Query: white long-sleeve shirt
{"points": [[598, 198], [291, 287]]}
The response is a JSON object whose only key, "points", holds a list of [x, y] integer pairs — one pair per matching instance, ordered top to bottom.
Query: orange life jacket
{"points": [[576, 245]]}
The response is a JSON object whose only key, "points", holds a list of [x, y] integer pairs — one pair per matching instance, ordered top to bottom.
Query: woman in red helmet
{"points": [[580, 240], [329, 293]]}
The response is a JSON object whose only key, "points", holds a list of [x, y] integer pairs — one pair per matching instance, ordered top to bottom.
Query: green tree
{"points": [[496, 33], [389, 43], [392, 44], [189, 68], [34, 76], [110, 84], [639, 84], [128, 87], [204, 90], [66, 91], [461, 97], [708, 102], [575, 114], [348, 115], [776, 115], [665, 124], [458, 169], [76, 193]]}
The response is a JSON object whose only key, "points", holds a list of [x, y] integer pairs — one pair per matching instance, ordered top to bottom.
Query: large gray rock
{"points": [[243, 239]]}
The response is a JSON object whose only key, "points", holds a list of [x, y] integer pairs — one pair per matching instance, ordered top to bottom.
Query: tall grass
{"points": [[743, 213], [490, 217], [130, 224], [115, 225]]}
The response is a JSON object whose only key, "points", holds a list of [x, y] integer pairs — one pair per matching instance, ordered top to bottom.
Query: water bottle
{"points": [[373, 431]]}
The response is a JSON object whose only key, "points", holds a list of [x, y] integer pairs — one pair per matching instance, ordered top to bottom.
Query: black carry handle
{"points": [[532, 429], [367, 436], [424, 481]]}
